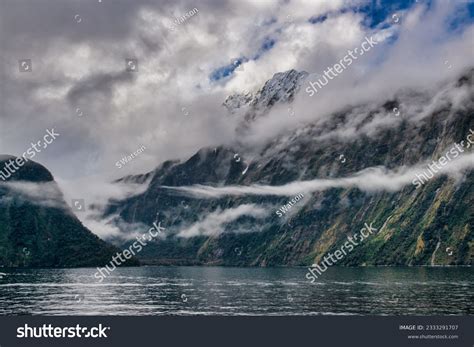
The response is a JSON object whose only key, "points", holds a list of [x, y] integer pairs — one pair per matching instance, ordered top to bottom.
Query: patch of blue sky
{"points": [[378, 11], [377, 16], [463, 16], [318, 19], [267, 44], [227, 70]]}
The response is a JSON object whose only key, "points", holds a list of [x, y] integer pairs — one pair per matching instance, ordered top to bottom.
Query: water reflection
{"points": [[238, 291]]}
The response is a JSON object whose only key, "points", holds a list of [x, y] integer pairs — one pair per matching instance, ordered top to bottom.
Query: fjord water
{"points": [[237, 291]]}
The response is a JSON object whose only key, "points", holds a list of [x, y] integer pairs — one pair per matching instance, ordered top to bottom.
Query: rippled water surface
{"points": [[238, 291]]}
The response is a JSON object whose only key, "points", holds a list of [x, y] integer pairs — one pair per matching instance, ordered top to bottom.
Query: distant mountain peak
{"points": [[281, 88], [236, 101], [30, 171], [38, 229]]}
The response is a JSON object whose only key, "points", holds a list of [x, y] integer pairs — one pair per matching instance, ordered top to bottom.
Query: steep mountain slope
{"points": [[431, 225], [37, 229]]}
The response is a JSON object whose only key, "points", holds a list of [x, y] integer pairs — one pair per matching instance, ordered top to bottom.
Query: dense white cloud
{"points": [[75, 66], [369, 180], [44, 194], [214, 223]]}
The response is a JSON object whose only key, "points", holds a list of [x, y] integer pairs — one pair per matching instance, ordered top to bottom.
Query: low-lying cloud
{"points": [[370, 179], [46, 194], [214, 223]]}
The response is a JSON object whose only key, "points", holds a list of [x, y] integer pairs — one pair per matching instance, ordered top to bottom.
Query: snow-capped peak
{"points": [[282, 87]]}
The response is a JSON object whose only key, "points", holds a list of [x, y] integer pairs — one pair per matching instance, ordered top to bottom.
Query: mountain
{"points": [[281, 88], [429, 225], [37, 228]]}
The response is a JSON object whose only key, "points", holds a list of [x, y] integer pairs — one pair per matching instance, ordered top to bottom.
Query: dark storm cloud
{"points": [[54, 18], [106, 20], [98, 84]]}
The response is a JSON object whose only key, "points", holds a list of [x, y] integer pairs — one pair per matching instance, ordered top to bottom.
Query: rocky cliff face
{"points": [[429, 225], [37, 228]]}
